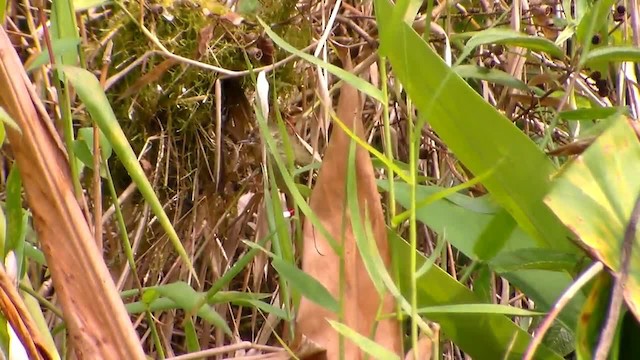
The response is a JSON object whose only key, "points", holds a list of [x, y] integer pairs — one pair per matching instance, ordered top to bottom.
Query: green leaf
{"points": [[81, 5], [3, 10], [594, 21], [64, 26], [510, 37], [60, 47], [607, 54], [491, 75], [352, 79], [91, 94], [592, 113], [6, 119], [481, 137], [83, 147], [594, 196], [16, 215], [463, 227], [494, 236], [536, 258], [308, 287], [437, 288], [186, 298], [478, 309], [593, 316], [191, 336], [365, 344]]}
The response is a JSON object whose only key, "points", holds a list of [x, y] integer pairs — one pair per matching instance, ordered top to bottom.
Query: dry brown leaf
{"points": [[328, 200], [17, 314], [99, 326], [425, 349]]}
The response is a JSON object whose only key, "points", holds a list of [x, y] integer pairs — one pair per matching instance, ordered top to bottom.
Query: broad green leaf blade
{"points": [[510, 37], [612, 54], [491, 75], [94, 99], [477, 133], [594, 196], [462, 226], [306, 285], [501, 337], [365, 344]]}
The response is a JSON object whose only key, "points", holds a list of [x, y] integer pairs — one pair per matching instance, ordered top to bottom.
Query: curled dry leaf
{"points": [[328, 202]]}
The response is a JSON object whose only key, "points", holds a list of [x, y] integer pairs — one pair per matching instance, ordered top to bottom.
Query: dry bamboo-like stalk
{"points": [[98, 323]]}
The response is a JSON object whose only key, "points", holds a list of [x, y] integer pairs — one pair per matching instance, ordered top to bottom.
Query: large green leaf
{"points": [[481, 137], [594, 196], [463, 222], [501, 337]]}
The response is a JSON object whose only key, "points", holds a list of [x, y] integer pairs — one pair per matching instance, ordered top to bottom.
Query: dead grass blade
{"points": [[328, 202], [17, 314], [95, 316]]}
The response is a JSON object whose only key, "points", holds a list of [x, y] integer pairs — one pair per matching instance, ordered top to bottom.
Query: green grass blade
{"points": [[95, 100], [369, 346]]}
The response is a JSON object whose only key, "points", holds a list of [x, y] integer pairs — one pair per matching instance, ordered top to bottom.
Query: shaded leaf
{"points": [[510, 37], [491, 75], [463, 227], [536, 258], [306, 285], [593, 316], [501, 337]]}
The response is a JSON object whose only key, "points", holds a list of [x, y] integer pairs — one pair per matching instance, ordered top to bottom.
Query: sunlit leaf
{"points": [[613, 54], [594, 196]]}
